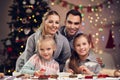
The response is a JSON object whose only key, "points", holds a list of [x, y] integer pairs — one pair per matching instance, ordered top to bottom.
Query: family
{"points": [[52, 49]]}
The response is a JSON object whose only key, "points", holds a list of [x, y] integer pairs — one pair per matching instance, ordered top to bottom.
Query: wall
{"points": [[107, 16], [4, 18], [111, 20]]}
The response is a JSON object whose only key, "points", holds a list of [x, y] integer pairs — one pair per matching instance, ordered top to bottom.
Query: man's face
{"points": [[72, 24]]}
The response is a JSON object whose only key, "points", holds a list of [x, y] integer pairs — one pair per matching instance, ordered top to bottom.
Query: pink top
{"points": [[35, 63]]}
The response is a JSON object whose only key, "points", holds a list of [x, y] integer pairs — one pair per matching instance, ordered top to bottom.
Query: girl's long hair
{"points": [[75, 59], [74, 62]]}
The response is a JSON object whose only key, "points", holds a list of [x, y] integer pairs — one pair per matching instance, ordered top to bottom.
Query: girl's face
{"points": [[52, 24], [82, 46], [46, 49]]}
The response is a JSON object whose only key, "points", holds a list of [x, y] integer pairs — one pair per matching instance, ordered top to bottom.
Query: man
{"points": [[72, 25]]}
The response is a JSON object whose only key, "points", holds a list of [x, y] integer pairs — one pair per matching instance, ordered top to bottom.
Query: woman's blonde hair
{"points": [[45, 17]]}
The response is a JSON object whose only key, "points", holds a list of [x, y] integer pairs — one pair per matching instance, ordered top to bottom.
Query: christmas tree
{"points": [[26, 16]]}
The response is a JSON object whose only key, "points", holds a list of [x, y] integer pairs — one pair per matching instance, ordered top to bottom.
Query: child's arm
{"points": [[99, 60], [28, 68], [66, 68], [97, 68], [83, 69], [39, 72]]}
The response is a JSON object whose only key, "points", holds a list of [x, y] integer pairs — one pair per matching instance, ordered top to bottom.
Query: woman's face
{"points": [[52, 24], [82, 46]]}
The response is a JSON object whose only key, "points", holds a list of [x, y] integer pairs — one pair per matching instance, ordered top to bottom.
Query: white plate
{"points": [[15, 73], [64, 74]]}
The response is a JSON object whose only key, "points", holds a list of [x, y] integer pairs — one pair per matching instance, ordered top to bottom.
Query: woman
{"points": [[49, 26]]}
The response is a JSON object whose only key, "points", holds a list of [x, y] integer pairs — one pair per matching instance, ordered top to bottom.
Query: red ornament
{"points": [[52, 0], [111, 1], [64, 4], [101, 6], [76, 7], [89, 9], [18, 41], [9, 49], [42, 69], [102, 76], [89, 77]]}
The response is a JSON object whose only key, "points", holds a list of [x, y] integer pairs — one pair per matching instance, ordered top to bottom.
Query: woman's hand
{"points": [[85, 70], [39, 72]]}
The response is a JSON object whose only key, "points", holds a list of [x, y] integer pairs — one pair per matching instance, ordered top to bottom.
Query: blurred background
{"points": [[20, 18]]}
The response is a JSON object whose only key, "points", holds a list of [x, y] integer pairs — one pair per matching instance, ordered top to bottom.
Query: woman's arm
{"points": [[30, 47], [28, 52], [66, 53]]}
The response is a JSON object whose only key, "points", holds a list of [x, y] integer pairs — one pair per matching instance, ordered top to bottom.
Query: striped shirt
{"points": [[35, 63]]}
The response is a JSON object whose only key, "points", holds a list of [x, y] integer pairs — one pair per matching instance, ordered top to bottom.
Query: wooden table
{"points": [[59, 78]]}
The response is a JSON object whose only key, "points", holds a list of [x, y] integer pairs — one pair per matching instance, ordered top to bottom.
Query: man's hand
{"points": [[99, 60]]}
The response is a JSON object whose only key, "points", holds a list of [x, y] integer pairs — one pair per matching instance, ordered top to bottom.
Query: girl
{"points": [[49, 26], [82, 59], [42, 63]]}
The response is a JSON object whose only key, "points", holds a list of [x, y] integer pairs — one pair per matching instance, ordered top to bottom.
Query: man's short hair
{"points": [[75, 13]]}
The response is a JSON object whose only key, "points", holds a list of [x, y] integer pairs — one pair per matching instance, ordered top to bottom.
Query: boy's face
{"points": [[72, 24], [46, 50]]}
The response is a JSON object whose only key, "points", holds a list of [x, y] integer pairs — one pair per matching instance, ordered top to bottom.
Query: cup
{"points": [[91, 66], [16, 73]]}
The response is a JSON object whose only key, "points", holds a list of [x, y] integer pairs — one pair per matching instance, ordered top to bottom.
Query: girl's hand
{"points": [[99, 60], [85, 70], [70, 71], [39, 72]]}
